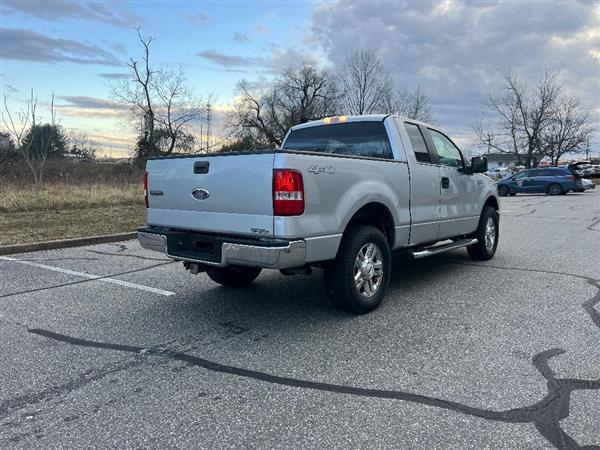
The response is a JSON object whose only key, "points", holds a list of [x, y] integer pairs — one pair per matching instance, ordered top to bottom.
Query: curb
{"points": [[64, 243]]}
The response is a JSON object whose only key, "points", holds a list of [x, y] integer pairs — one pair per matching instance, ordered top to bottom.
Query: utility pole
{"points": [[208, 119], [587, 150]]}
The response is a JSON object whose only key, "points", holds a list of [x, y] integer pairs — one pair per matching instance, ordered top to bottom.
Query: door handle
{"points": [[445, 182]]}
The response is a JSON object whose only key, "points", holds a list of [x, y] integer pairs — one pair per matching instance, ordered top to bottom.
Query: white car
{"points": [[582, 168], [499, 173], [586, 185]]}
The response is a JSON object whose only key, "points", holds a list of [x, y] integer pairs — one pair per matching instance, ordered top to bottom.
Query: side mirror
{"points": [[478, 165]]}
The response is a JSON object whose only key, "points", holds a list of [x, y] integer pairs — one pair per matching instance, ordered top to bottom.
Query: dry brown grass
{"points": [[57, 196], [59, 211], [37, 226]]}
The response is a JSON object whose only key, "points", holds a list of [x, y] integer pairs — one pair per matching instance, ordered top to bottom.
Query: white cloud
{"points": [[459, 50]]}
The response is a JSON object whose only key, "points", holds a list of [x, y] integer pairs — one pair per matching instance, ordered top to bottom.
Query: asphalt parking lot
{"points": [[114, 346]]}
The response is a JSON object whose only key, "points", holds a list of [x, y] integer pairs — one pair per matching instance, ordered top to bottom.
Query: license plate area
{"points": [[193, 246]]}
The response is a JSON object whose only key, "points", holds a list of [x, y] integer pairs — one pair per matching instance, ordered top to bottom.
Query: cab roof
{"points": [[346, 119]]}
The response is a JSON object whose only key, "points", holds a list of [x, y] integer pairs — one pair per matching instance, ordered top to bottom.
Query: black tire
{"points": [[554, 189], [503, 191], [482, 250], [375, 274], [233, 276]]}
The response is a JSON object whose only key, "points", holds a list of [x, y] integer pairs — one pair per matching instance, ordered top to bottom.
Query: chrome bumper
{"points": [[287, 257]]}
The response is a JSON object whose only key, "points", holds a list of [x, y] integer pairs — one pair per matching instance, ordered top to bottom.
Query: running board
{"points": [[429, 251]]}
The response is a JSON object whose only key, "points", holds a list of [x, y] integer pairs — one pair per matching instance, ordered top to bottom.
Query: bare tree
{"points": [[364, 84], [309, 94], [298, 95], [161, 100], [414, 105], [522, 113], [21, 126], [569, 129]]}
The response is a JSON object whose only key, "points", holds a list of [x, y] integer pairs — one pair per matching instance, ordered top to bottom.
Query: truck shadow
{"points": [[299, 299]]}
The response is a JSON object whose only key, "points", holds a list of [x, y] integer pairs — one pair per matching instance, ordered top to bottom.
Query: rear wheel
{"points": [[554, 189], [503, 190], [487, 236], [233, 276], [356, 281]]}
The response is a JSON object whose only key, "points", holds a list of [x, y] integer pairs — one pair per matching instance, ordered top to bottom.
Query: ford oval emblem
{"points": [[200, 194]]}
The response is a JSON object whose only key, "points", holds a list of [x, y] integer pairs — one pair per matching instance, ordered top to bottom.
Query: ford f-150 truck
{"points": [[340, 194]]}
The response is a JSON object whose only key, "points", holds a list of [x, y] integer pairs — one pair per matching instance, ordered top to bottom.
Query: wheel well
{"points": [[493, 202], [377, 215]]}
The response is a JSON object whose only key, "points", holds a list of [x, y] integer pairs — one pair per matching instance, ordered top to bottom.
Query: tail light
{"points": [[573, 177], [146, 189], [288, 193]]}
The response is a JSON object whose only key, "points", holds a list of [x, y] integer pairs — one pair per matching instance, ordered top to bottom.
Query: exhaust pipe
{"points": [[194, 268]]}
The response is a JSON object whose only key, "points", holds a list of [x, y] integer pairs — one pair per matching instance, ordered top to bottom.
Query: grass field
{"points": [[59, 211]]}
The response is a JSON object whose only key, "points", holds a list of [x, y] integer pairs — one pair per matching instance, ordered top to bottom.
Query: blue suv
{"points": [[549, 180]]}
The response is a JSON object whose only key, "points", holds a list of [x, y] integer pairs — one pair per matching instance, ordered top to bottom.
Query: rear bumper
{"points": [[224, 250]]}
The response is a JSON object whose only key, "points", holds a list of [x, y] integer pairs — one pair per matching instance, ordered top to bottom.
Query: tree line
{"points": [[362, 85], [173, 118], [530, 121], [534, 121], [27, 136]]}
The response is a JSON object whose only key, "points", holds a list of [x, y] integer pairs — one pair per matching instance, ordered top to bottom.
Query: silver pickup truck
{"points": [[340, 194]]}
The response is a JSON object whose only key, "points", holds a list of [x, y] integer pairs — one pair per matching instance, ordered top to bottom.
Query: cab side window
{"points": [[417, 141], [448, 153], [521, 175]]}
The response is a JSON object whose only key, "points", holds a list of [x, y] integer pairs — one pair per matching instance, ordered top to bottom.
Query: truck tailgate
{"points": [[220, 193]]}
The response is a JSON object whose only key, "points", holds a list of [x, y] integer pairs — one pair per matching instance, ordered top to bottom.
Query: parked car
{"points": [[582, 168], [499, 173], [549, 180], [586, 185], [339, 194]]}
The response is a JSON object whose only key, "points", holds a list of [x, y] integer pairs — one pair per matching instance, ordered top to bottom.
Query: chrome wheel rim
{"points": [[490, 234], [368, 270]]}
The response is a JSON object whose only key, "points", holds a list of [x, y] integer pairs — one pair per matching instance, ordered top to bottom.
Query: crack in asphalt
{"points": [[525, 214], [593, 224], [119, 254], [86, 280], [89, 376], [545, 415]]}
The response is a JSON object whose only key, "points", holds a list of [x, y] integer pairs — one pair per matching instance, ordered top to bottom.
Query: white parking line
{"points": [[90, 276]]}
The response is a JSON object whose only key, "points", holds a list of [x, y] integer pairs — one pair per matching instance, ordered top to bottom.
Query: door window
{"points": [[417, 141], [448, 153], [520, 175]]}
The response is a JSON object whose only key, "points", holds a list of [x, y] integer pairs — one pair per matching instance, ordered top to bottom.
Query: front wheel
{"points": [[487, 236], [233, 276], [358, 278]]}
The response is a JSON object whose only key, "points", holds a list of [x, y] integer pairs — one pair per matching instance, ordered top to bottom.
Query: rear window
{"points": [[367, 139]]}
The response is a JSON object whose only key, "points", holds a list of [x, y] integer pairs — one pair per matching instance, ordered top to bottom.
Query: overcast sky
{"points": [[457, 51]]}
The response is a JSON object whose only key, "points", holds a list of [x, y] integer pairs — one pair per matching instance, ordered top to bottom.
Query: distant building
{"points": [[497, 160]]}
